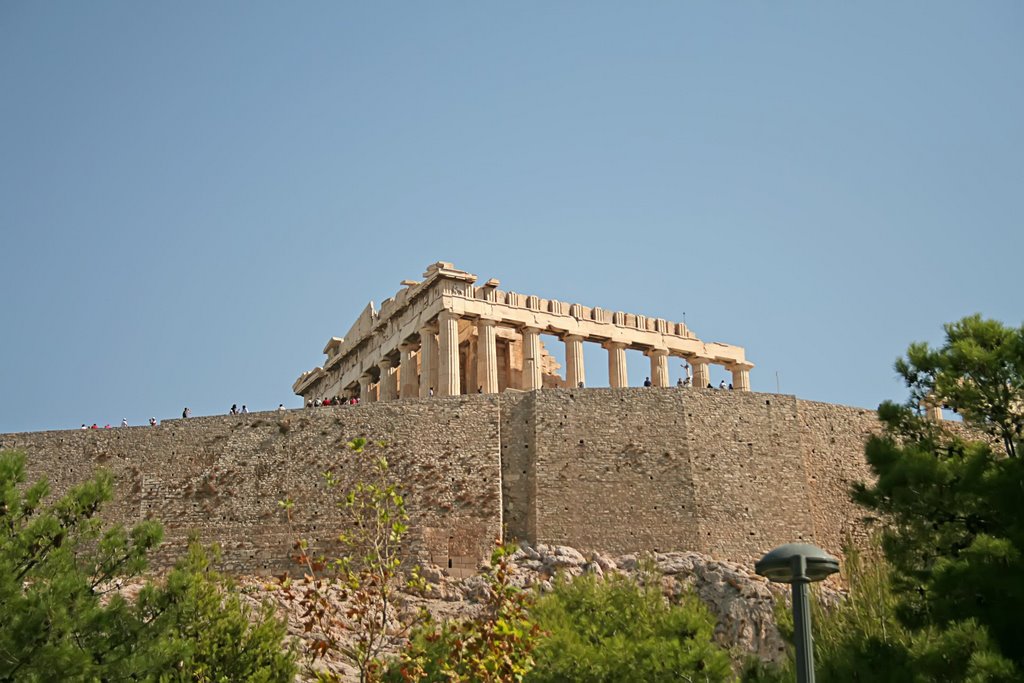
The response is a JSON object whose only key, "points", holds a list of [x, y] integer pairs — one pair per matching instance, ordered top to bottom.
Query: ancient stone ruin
{"points": [[447, 336], [729, 474]]}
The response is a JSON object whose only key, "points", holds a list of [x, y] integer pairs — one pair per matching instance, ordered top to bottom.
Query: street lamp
{"points": [[798, 564]]}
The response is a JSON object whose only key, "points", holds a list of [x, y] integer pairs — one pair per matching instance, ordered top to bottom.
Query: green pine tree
{"points": [[61, 620]]}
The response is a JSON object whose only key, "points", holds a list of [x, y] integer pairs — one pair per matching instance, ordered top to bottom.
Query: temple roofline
{"points": [[399, 323]]}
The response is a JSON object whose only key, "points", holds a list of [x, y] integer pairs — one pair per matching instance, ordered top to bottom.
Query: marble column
{"points": [[514, 349], [487, 356], [531, 359], [428, 360], [503, 365], [469, 366], [659, 367], [407, 371], [701, 372], [574, 374], [617, 376], [741, 376], [388, 380], [448, 381], [367, 393]]}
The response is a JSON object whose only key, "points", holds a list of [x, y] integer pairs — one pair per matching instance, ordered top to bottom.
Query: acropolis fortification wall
{"points": [[728, 473]]}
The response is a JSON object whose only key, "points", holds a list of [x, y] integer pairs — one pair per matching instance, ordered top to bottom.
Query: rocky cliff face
{"points": [[741, 601]]}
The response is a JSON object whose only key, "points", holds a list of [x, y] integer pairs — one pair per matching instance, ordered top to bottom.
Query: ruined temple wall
{"points": [[832, 439], [628, 469], [613, 470], [731, 474], [223, 476], [750, 478]]}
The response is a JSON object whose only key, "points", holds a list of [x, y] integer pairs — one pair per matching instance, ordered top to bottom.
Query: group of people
{"points": [[687, 381], [680, 383], [336, 401], [235, 410], [187, 412], [124, 423]]}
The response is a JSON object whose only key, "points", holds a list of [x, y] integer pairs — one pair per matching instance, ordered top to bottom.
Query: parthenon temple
{"points": [[446, 335]]}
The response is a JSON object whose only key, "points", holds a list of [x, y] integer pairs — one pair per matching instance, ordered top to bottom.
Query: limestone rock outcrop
{"points": [[741, 601]]}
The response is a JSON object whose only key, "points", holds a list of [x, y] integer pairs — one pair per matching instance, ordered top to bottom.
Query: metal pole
{"points": [[802, 632]]}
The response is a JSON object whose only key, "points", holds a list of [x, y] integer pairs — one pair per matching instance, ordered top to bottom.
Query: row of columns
{"points": [[439, 363]]}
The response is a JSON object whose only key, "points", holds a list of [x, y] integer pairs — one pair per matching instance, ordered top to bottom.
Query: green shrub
{"points": [[621, 630]]}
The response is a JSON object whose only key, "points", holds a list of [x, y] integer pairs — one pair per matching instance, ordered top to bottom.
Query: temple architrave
{"points": [[446, 335]]}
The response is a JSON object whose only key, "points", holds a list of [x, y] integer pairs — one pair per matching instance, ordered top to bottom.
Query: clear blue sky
{"points": [[195, 196]]}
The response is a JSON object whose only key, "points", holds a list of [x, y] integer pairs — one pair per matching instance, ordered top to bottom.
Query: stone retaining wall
{"points": [[729, 474], [223, 476]]}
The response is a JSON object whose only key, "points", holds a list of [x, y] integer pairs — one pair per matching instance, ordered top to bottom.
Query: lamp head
{"points": [[796, 562]]}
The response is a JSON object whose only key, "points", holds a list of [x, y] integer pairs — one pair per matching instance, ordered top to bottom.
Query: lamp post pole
{"points": [[798, 564], [802, 621]]}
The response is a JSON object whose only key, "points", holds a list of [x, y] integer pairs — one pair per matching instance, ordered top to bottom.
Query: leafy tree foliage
{"points": [[978, 372], [955, 534], [349, 603], [944, 604], [60, 618], [620, 629], [202, 630], [863, 639], [496, 646]]}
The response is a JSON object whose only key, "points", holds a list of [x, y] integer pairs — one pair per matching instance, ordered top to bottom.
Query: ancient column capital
{"points": [[446, 316], [487, 321], [530, 329], [573, 338], [614, 345], [408, 347], [656, 352], [385, 363], [736, 367]]}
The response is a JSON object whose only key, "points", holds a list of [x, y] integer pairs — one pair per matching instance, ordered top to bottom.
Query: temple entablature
{"points": [[445, 335]]}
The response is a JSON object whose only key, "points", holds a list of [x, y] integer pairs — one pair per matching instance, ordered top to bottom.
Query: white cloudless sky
{"points": [[195, 196]]}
